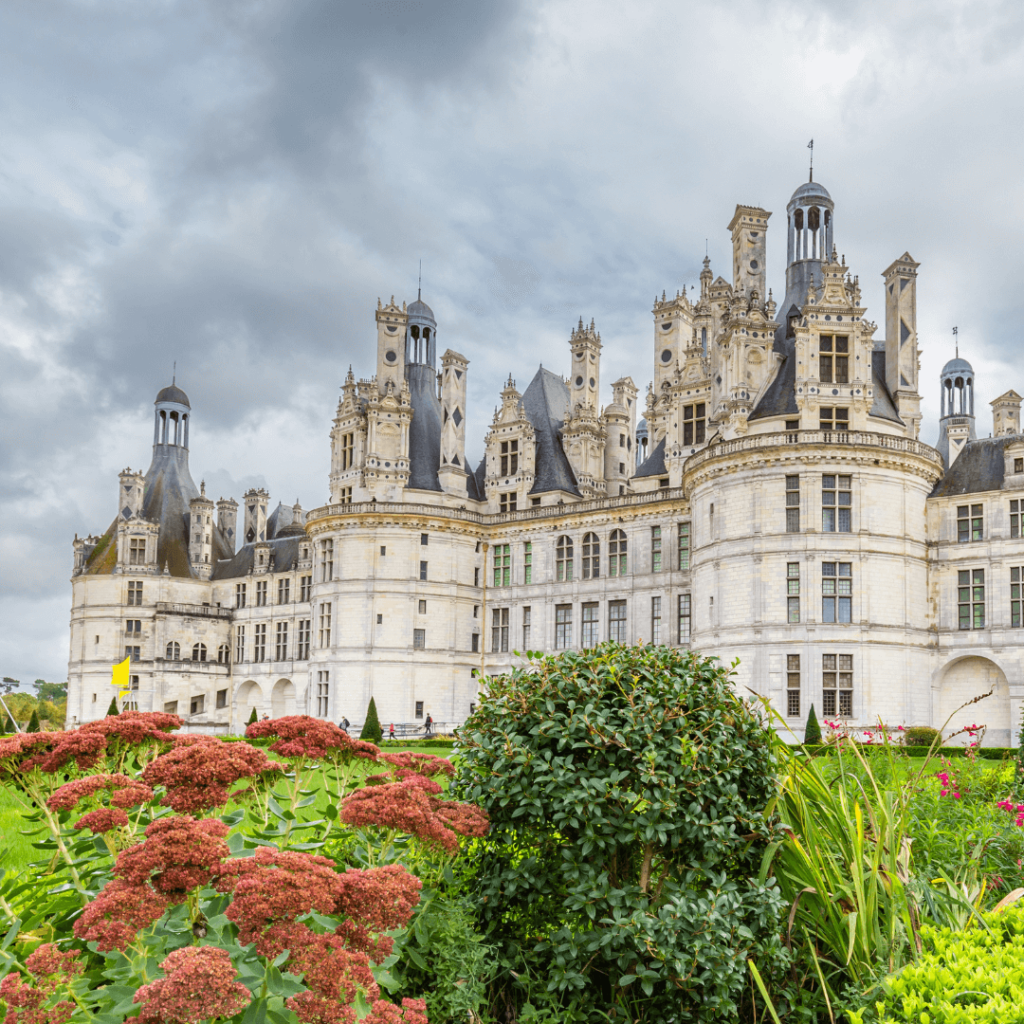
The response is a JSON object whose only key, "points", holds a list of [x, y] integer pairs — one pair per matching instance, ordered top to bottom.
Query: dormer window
{"points": [[834, 359], [694, 423], [509, 458]]}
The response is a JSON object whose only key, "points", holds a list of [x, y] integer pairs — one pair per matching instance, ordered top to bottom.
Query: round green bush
{"points": [[920, 736], [626, 788]]}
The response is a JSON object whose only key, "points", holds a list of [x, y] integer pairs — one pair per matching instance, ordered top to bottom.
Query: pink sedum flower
{"points": [[103, 820], [115, 916], [199, 983], [412, 1011]]}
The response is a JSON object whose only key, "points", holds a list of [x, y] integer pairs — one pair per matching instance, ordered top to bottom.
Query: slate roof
{"points": [[172, 393], [546, 404], [425, 428], [654, 464], [979, 467], [475, 482], [284, 550]]}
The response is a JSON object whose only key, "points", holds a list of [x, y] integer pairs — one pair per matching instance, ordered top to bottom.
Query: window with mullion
{"points": [[836, 503], [792, 504], [1016, 514], [684, 546], [655, 549], [617, 553], [591, 557], [563, 560], [528, 562], [502, 565], [1016, 576], [792, 591], [836, 591], [971, 598], [617, 621], [563, 626], [499, 630], [588, 637], [837, 684], [792, 685]]}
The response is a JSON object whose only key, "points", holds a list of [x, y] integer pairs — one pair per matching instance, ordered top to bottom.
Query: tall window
{"points": [[834, 359], [834, 418], [693, 423], [348, 447], [509, 458], [345, 496], [508, 502], [836, 503], [792, 504], [1016, 514], [970, 523], [424, 539], [684, 546], [655, 549], [137, 551], [617, 553], [591, 556], [326, 560], [563, 560], [528, 562], [502, 565], [423, 570], [305, 588], [135, 590], [284, 591], [792, 591], [836, 591], [261, 594], [239, 595], [1015, 595], [971, 598], [684, 618], [655, 620], [617, 621], [325, 624], [133, 625], [563, 626], [526, 628], [499, 630], [588, 637], [419, 639], [302, 640], [281, 642], [239, 644], [259, 648], [173, 651], [199, 652], [132, 653], [223, 654], [837, 684], [792, 685], [323, 693], [222, 699], [419, 709]]}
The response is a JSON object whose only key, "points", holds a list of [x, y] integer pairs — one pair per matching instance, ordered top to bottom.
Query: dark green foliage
{"points": [[50, 691], [112, 710], [252, 716], [33, 723], [5, 726], [371, 727], [812, 731], [920, 736], [626, 788]]}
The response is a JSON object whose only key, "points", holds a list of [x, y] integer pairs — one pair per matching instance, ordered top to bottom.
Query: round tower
{"points": [[420, 334], [170, 422], [956, 422]]}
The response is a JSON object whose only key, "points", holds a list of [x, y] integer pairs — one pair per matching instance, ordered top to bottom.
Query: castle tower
{"points": [[749, 227], [673, 332], [421, 334], [391, 345], [901, 352], [585, 375], [1006, 414], [171, 418], [619, 421], [956, 425], [452, 471], [132, 491], [255, 500], [227, 518], [200, 534]]}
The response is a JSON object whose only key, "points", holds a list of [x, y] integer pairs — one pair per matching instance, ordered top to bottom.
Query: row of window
{"points": [[836, 503], [970, 521], [284, 591], [836, 591], [278, 644], [836, 685]]}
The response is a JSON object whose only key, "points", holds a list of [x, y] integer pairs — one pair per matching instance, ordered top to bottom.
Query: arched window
{"points": [[814, 218], [798, 220], [617, 554], [591, 556], [563, 560], [173, 651], [199, 652], [223, 654]]}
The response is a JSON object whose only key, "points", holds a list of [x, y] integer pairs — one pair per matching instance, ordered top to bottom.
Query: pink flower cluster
{"points": [[303, 736], [197, 775], [950, 787], [126, 792], [412, 806], [1011, 808], [104, 819], [115, 916], [199, 983], [26, 1002]]}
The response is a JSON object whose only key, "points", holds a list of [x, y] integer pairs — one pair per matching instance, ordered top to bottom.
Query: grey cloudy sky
{"points": [[232, 185]]}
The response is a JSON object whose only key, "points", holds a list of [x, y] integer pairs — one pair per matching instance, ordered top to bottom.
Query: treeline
{"points": [[49, 705]]}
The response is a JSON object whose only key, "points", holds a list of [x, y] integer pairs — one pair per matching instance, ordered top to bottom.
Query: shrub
{"points": [[112, 710], [252, 716], [33, 723], [372, 731], [812, 731], [920, 736], [626, 788]]}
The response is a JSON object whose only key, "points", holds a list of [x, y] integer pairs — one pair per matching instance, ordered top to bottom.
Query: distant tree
{"points": [[8, 679], [50, 691], [21, 705], [112, 710], [47, 711], [253, 717], [33, 723], [3, 725], [8, 726], [372, 731], [812, 731]]}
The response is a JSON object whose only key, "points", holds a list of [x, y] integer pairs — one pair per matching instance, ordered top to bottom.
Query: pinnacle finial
{"points": [[419, 283]]}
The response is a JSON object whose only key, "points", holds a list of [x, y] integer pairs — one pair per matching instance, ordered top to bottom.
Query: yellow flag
{"points": [[121, 677]]}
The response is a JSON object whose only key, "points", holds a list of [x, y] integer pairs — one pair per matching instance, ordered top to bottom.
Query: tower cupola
{"points": [[421, 334], [173, 412], [956, 423]]}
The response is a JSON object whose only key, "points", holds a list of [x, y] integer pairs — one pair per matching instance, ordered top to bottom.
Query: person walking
{"points": [[343, 725], [428, 725], [391, 733]]}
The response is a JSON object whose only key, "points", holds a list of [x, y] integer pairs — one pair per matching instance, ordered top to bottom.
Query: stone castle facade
{"points": [[773, 505]]}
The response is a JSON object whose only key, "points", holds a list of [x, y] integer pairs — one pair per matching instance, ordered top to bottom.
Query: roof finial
{"points": [[810, 146], [419, 283], [956, 342], [174, 374]]}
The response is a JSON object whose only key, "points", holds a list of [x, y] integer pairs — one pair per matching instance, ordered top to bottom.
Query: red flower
{"points": [[134, 727], [303, 736], [84, 748], [25, 750], [422, 764], [197, 776], [71, 793], [131, 796], [103, 820], [178, 855], [379, 898], [114, 917], [48, 959], [331, 970], [199, 983], [25, 1003], [313, 1009], [412, 1011]]}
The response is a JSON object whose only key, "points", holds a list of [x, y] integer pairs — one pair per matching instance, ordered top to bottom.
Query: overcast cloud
{"points": [[231, 186]]}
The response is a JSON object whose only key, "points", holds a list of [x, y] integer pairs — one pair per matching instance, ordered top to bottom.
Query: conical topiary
{"points": [[112, 710], [253, 717], [33, 722], [3, 725], [9, 725], [372, 731], [812, 731]]}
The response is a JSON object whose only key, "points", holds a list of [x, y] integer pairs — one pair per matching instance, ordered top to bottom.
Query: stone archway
{"points": [[970, 677], [248, 696], [282, 699]]}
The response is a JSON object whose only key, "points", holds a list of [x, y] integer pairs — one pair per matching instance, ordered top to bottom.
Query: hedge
{"points": [[986, 753]]}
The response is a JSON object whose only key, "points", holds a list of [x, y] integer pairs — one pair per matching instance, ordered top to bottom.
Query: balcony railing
{"points": [[193, 610]]}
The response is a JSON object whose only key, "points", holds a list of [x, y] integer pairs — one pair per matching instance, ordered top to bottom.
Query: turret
{"points": [[749, 227], [673, 332], [391, 345], [901, 352], [585, 374], [1006, 414], [171, 418], [619, 421], [956, 425], [452, 471], [132, 490], [255, 501], [227, 518], [200, 534]]}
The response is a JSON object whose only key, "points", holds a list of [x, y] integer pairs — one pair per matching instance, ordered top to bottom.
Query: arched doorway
{"points": [[965, 679], [248, 696], [282, 699]]}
